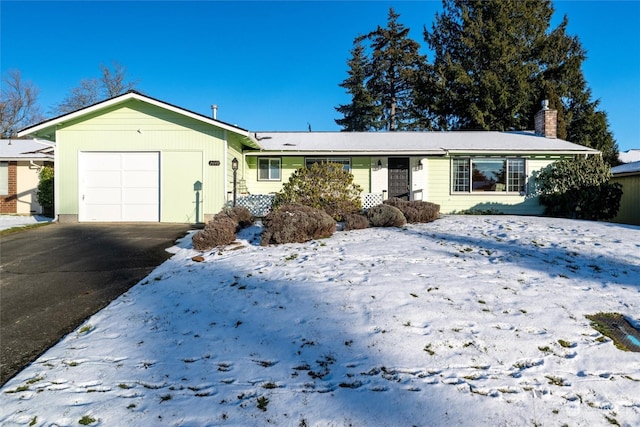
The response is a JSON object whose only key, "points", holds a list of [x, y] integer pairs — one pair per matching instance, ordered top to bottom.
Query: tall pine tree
{"points": [[496, 60], [383, 80], [362, 113]]}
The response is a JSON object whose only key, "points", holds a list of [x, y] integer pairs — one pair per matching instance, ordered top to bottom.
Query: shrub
{"points": [[325, 186], [579, 188], [44, 194], [416, 210], [240, 215], [386, 216], [355, 222], [293, 223], [221, 230]]}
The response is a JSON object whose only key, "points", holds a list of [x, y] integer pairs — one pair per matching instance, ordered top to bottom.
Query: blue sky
{"points": [[273, 65]]}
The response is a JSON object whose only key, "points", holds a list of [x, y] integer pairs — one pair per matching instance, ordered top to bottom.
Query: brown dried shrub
{"points": [[415, 211], [241, 215], [385, 216], [355, 222], [292, 223], [221, 230]]}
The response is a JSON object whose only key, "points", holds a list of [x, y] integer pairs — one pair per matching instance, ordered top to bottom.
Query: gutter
{"points": [[346, 153]]}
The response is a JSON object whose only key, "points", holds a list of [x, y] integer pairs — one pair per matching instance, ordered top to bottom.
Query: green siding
{"points": [[138, 126], [360, 168], [439, 191], [629, 212]]}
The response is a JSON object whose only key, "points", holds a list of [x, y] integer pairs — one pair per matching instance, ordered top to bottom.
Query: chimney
{"points": [[214, 111], [546, 121]]}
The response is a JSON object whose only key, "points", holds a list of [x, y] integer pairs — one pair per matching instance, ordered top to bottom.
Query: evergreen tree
{"points": [[495, 61], [484, 62], [395, 68], [382, 81], [362, 113]]}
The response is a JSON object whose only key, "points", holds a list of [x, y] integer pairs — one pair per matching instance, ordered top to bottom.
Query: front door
{"points": [[399, 177]]}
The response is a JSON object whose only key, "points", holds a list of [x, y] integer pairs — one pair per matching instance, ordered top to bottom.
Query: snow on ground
{"points": [[10, 221], [469, 320]]}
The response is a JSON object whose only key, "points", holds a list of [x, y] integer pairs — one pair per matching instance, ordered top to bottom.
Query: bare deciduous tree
{"points": [[112, 82], [85, 94], [18, 105]]}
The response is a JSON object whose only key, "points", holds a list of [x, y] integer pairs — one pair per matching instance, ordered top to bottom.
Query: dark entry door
{"points": [[399, 177]]}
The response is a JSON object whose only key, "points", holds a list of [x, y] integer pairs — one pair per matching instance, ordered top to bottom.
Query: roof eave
{"points": [[56, 121], [346, 153]]}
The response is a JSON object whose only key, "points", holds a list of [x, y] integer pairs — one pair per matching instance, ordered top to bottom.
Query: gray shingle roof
{"points": [[414, 142]]}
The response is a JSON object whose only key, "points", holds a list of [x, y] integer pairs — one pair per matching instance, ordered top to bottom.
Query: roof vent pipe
{"points": [[214, 111]]}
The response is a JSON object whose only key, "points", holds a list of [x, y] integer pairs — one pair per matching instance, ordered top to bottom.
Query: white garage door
{"points": [[119, 186]]}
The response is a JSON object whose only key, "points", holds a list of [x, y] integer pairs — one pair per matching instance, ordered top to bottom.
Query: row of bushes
{"points": [[308, 207], [295, 223]]}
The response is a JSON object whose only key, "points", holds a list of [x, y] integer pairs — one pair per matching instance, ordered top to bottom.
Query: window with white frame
{"points": [[344, 161], [269, 169], [494, 174], [4, 178]]}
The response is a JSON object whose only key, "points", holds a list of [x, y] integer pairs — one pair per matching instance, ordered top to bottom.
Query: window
{"points": [[344, 161], [268, 169], [495, 174], [4, 178]]}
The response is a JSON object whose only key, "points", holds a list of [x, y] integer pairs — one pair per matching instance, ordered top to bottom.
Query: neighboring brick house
{"points": [[20, 162]]}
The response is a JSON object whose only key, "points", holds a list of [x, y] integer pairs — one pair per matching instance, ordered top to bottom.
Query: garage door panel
{"points": [[106, 161], [140, 161], [102, 179], [142, 179], [122, 186], [99, 195], [139, 196]]}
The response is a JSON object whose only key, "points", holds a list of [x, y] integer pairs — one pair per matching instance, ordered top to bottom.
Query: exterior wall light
{"points": [[234, 167]]}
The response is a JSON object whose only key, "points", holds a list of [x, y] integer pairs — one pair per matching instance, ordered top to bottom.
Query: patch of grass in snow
{"points": [[22, 228], [291, 257], [85, 329], [566, 344], [428, 349], [265, 363], [35, 380], [560, 382], [354, 384], [18, 389], [165, 397], [262, 403], [86, 420], [33, 421], [612, 421]]}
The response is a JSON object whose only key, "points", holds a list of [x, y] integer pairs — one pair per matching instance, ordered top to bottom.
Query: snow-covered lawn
{"points": [[469, 320]]}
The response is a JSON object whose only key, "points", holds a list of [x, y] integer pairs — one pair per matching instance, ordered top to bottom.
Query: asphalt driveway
{"points": [[53, 277]]}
